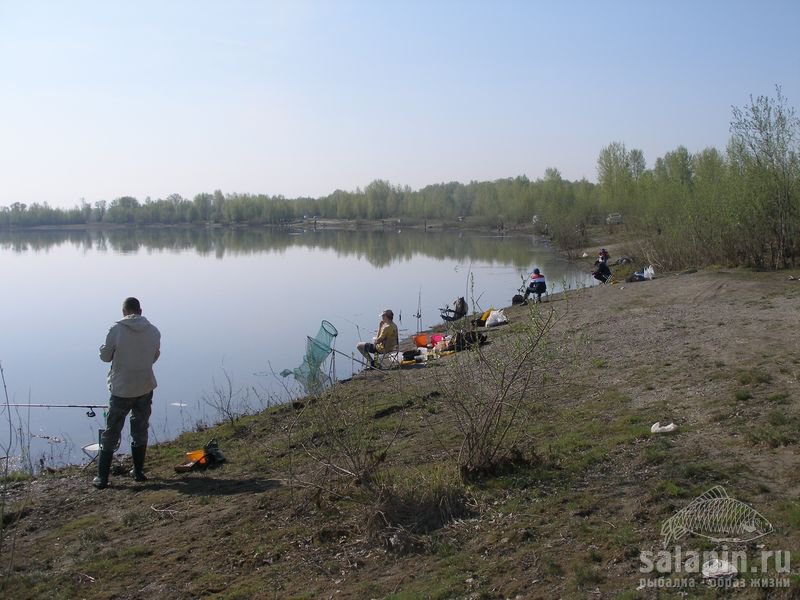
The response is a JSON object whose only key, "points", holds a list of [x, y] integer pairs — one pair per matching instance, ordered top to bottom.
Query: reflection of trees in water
{"points": [[379, 248]]}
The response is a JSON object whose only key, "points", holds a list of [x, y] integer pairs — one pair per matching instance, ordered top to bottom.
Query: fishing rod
{"points": [[418, 314], [361, 362], [90, 413]]}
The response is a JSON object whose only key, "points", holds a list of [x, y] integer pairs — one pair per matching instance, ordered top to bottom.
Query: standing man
{"points": [[132, 345]]}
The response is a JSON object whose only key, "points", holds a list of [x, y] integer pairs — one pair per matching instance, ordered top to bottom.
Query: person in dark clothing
{"points": [[601, 271], [536, 285]]}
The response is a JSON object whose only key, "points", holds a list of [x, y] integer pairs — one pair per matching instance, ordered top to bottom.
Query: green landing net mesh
{"points": [[309, 374]]}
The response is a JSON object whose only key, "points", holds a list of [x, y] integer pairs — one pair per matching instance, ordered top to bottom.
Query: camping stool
{"points": [[386, 360], [93, 450]]}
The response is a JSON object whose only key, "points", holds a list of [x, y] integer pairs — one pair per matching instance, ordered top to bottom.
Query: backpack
{"points": [[467, 339]]}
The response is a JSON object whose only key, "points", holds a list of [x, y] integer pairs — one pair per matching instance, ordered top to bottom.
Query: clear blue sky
{"points": [[104, 99]]}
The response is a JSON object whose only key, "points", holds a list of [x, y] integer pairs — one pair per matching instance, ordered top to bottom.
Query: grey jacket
{"points": [[132, 345]]}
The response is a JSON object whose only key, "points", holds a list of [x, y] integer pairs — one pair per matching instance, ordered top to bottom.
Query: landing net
{"points": [[309, 374]]}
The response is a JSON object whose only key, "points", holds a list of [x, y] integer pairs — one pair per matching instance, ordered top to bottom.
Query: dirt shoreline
{"points": [[714, 351]]}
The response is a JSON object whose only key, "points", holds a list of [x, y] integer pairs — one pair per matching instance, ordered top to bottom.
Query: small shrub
{"points": [[744, 394], [777, 418], [416, 506]]}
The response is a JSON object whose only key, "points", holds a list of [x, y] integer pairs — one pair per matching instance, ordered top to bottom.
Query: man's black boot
{"points": [[138, 454], [103, 467]]}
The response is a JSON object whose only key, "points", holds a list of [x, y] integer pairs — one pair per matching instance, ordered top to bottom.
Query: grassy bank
{"points": [[360, 494]]}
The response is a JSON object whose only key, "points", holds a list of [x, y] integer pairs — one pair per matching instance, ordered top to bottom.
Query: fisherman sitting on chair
{"points": [[601, 271], [536, 286], [459, 310], [386, 341]]}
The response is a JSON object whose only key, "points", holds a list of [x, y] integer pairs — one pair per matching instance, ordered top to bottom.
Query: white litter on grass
{"points": [[179, 404], [657, 427], [716, 569]]}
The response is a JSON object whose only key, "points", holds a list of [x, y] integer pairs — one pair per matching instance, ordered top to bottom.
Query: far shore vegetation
{"points": [[738, 206]]}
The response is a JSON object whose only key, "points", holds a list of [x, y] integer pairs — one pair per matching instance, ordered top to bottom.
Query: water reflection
{"points": [[379, 248], [228, 301]]}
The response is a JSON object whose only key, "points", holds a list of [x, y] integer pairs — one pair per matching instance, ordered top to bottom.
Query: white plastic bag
{"points": [[649, 272], [496, 317], [657, 427]]}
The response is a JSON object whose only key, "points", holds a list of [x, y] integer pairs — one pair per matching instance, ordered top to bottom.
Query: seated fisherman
{"points": [[601, 271], [536, 285], [458, 311], [386, 341]]}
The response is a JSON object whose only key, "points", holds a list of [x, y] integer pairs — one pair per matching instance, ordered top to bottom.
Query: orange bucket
{"points": [[421, 340]]}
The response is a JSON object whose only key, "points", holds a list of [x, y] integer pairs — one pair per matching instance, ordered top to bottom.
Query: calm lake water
{"points": [[236, 302]]}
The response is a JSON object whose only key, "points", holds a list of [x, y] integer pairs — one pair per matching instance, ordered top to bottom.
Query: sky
{"points": [[299, 98]]}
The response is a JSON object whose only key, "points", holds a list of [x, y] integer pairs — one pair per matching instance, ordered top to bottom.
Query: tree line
{"points": [[737, 206]]}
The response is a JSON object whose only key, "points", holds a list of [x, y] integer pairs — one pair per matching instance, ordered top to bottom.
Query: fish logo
{"points": [[716, 516]]}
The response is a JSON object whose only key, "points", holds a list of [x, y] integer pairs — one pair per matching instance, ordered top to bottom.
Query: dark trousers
{"points": [[118, 408]]}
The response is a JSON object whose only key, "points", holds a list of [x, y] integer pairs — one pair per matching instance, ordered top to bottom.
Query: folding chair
{"points": [[93, 450]]}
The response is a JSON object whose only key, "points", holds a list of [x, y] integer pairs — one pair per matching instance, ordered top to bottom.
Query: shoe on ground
{"points": [[141, 477], [100, 484]]}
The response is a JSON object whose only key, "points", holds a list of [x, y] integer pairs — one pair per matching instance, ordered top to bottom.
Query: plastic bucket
{"points": [[436, 338], [421, 340]]}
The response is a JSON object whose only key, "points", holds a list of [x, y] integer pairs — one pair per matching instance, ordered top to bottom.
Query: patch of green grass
{"points": [[599, 363], [718, 375], [753, 376], [760, 376], [743, 394], [779, 398], [719, 416], [778, 418], [770, 436], [655, 454], [699, 472], [16, 477], [669, 489], [790, 513], [134, 517], [86, 522], [91, 536], [622, 536], [137, 551], [552, 567], [586, 575], [34, 586], [439, 586]]}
